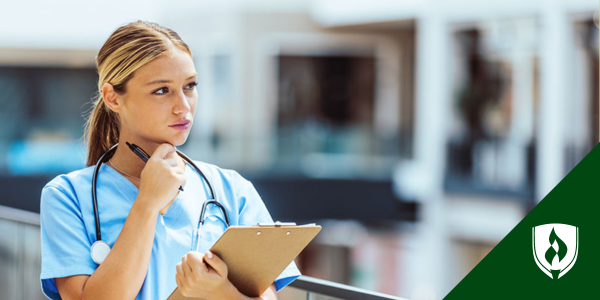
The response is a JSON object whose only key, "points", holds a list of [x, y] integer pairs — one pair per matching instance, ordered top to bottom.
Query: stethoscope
{"points": [[100, 248]]}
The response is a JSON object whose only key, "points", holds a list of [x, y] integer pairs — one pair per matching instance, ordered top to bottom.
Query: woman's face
{"points": [[160, 101]]}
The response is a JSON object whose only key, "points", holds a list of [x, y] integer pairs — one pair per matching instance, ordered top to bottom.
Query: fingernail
{"points": [[209, 254]]}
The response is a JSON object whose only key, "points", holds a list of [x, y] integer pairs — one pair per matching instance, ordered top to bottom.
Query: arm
{"points": [[123, 270], [122, 273], [205, 277]]}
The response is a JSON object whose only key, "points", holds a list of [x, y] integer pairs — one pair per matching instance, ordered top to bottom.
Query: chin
{"points": [[178, 141]]}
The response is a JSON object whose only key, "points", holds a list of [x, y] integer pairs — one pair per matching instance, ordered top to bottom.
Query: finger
{"points": [[162, 151], [172, 153], [174, 156], [174, 160], [171, 162], [177, 170], [182, 179], [196, 262], [216, 263], [187, 269], [179, 270], [178, 280]]}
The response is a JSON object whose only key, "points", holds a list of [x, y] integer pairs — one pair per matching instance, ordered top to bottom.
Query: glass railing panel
{"points": [[20, 260], [9, 262], [31, 262], [319, 287], [292, 293], [317, 296]]}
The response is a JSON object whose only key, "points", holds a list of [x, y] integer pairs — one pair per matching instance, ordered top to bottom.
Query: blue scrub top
{"points": [[68, 226]]}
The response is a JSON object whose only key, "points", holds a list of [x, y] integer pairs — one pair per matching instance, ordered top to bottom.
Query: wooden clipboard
{"points": [[256, 255]]}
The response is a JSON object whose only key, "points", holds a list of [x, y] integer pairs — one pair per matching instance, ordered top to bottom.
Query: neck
{"points": [[126, 160]]}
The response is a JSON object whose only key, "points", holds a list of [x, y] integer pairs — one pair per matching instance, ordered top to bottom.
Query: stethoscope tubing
{"points": [[107, 155]]}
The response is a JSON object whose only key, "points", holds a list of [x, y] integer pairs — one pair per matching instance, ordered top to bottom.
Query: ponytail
{"points": [[101, 131]]}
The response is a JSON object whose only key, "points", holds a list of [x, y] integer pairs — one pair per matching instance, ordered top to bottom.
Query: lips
{"points": [[181, 125]]}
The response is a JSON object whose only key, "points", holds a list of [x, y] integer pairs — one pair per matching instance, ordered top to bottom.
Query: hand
{"points": [[161, 178], [204, 276]]}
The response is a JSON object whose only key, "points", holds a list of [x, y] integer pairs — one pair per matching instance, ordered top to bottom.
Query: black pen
{"points": [[137, 150]]}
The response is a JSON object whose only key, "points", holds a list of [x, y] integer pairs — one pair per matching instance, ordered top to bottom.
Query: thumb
{"points": [[163, 150], [172, 154], [216, 263]]}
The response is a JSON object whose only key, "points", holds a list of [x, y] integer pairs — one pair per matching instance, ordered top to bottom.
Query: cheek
{"points": [[193, 103], [134, 110], [143, 116]]}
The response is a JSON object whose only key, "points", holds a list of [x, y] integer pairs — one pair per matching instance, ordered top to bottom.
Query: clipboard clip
{"points": [[276, 224]]}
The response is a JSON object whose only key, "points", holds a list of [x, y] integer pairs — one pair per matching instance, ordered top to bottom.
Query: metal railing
{"points": [[23, 258], [315, 287]]}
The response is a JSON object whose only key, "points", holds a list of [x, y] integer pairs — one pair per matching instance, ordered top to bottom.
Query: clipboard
{"points": [[257, 255]]}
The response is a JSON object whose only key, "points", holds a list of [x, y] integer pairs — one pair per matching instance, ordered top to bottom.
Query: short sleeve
{"points": [[253, 211], [65, 245], [286, 277]]}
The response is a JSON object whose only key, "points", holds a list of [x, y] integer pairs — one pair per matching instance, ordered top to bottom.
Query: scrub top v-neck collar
{"points": [[186, 165], [130, 188]]}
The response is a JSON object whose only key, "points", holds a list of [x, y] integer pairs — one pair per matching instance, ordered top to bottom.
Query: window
{"points": [[42, 112], [491, 144]]}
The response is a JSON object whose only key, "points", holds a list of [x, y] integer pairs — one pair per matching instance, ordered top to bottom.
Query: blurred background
{"points": [[418, 133]]}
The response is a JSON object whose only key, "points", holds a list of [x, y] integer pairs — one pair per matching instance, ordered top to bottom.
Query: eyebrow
{"points": [[167, 81]]}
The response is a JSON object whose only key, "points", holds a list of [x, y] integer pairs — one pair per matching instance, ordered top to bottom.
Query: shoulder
{"points": [[228, 177], [72, 180], [69, 185]]}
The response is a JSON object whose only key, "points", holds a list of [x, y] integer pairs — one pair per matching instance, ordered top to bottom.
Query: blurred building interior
{"points": [[418, 133]]}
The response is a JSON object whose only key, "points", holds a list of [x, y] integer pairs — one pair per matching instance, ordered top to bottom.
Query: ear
{"points": [[111, 98]]}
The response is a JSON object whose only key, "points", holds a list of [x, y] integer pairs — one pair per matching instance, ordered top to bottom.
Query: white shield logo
{"points": [[555, 248]]}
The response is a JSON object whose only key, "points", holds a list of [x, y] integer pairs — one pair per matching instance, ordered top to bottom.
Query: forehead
{"points": [[174, 65]]}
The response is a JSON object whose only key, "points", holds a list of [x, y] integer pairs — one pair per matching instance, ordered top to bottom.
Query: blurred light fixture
{"points": [[596, 21]]}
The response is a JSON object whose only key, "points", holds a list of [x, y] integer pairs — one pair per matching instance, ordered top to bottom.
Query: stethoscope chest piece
{"points": [[99, 251]]}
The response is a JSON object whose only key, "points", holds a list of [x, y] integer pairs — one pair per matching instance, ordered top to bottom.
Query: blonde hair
{"points": [[127, 49]]}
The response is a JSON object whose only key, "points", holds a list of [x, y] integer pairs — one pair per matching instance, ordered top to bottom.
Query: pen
{"points": [[137, 150]]}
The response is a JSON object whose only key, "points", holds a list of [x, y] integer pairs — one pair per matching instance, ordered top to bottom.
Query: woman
{"points": [[147, 97]]}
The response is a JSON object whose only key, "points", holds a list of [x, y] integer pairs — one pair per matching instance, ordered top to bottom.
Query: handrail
{"points": [[19, 215], [305, 283], [338, 290]]}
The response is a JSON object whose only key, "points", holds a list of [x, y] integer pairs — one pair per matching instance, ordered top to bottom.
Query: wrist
{"points": [[143, 206], [233, 293]]}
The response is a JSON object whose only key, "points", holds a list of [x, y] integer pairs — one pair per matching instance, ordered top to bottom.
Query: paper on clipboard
{"points": [[257, 255]]}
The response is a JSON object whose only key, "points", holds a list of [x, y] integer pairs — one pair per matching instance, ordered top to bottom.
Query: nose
{"points": [[182, 104]]}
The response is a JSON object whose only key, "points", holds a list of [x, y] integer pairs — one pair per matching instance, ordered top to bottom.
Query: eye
{"points": [[191, 86], [161, 91]]}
